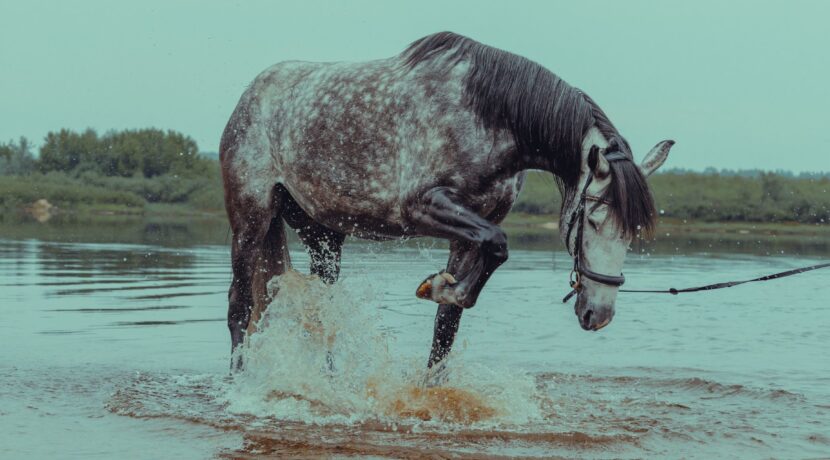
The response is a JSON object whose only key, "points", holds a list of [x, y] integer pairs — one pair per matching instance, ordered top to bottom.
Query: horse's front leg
{"points": [[479, 247], [463, 256]]}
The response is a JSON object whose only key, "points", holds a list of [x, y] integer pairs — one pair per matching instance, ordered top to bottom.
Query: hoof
{"points": [[438, 288]]}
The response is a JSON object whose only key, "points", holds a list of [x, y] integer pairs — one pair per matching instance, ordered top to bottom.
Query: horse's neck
{"points": [[593, 137]]}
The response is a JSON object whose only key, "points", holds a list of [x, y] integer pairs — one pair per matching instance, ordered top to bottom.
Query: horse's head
{"points": [[610, 206]]}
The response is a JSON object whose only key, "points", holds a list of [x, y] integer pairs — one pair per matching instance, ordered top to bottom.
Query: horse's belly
{"points": [[349, 208], [367, 213], [363, 225]]}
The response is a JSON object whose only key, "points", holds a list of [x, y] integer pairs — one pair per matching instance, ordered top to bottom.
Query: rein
{"points": [[579, 270], [727, 284]]}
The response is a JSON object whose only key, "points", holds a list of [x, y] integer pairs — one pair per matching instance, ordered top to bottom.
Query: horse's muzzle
{"points": [[593, 318]]}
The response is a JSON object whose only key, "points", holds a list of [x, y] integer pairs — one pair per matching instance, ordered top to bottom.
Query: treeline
{"points": [[139, 153], [128, 168], [753, 173], [712, 197], [767, 198]]}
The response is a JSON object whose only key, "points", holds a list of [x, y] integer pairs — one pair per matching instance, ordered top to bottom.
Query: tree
{"points": [[65, 150], [146, 152], [16, 159], [772, 188]]}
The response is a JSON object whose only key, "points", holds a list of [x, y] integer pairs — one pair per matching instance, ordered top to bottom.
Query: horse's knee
{"points": [[496, 246]]}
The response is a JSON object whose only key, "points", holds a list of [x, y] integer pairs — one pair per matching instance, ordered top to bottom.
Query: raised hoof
{"points": [[438, 288]]}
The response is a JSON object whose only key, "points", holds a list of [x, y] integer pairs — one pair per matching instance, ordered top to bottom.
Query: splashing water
{"points": [[320, 356]]}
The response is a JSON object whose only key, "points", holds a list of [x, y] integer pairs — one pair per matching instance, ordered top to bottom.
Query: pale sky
{"points": [[738, 84]]}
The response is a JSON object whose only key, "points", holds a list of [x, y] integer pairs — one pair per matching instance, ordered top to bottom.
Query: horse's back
{"points": [[355, 141]]}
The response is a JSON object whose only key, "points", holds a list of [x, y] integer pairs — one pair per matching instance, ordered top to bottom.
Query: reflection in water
{"points": [[72, 228], [671, 239], [122, 350]]}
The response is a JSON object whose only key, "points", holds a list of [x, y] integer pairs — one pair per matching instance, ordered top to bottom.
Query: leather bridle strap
{"points": [[577, 221]]}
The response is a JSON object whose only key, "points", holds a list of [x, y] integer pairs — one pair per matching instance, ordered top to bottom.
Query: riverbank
{"points": [[517, 221], [546, 223], [182, 225]]}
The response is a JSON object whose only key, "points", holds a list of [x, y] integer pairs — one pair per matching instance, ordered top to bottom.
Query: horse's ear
{"points": [[656, 157], [597, 163]]}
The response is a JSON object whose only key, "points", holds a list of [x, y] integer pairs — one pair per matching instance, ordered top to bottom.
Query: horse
{"points": [[433, 142]]}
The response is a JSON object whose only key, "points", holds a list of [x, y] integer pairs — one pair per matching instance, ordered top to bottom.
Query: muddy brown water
{"points": [[121, 350]]}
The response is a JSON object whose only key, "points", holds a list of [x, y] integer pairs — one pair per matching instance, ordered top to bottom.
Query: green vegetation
{"points": [[146, 153], [150, 171], [118, 172], [63, 190], [539, 195], [712, 197], [766, 197]]}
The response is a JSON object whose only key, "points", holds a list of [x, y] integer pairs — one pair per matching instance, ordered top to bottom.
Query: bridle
{"points": [[577, 220], [579, 270]]}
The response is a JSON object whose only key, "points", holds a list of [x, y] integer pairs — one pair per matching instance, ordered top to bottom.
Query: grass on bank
{"points": [[686, 201]]}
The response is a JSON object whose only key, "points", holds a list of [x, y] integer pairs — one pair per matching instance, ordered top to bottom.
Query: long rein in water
{"points": [[579, 270]]}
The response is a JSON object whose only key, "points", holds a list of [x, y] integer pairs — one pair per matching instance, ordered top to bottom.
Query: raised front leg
{"points": [[480, 247]]}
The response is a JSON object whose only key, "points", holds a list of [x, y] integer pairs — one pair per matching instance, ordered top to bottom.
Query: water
{"points": [[122, 350]]}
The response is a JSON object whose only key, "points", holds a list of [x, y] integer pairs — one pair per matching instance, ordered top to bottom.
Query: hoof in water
{"points": [[436, 376]]}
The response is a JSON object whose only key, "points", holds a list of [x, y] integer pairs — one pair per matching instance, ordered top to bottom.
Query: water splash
{"points": [[321, 356]]}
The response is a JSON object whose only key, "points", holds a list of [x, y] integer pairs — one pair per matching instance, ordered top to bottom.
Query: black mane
{"points": [[545, 115]]}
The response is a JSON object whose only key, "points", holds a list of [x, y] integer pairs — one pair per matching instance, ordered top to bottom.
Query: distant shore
{"points": [[516, 221], [547, 223]]}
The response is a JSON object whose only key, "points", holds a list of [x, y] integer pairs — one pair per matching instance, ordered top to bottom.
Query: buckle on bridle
{"points": [[575, 286]]}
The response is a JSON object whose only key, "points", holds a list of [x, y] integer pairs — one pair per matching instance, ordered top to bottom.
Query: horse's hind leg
{"points": [[324, 245], [324, 248], [258, 252], [273, 260]]}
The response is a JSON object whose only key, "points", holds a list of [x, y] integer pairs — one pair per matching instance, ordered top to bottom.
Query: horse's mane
{"points": [[545, 115]]}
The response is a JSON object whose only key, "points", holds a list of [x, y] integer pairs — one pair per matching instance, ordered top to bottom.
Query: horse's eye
{"points": [[597, 217]]}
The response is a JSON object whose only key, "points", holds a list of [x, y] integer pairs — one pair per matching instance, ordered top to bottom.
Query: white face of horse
{"points": [[604, 245]]}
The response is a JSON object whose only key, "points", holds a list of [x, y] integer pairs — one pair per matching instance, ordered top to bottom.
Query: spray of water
{"points": [[320, 356]]}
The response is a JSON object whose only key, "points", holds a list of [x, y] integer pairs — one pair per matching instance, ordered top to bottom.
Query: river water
{"points": [[121, 350]]}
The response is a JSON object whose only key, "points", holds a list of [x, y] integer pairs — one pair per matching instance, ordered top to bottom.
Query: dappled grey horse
{"points": [[432, 142]]}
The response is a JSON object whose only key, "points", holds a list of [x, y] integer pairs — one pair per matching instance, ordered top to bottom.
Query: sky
{"points": [[738, 84]]}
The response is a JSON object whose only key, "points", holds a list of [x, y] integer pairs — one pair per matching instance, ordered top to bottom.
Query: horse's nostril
{"points": [[586, 317]]}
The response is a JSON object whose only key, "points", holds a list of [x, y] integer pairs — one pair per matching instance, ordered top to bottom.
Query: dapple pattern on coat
{"points": [[352, 143]]}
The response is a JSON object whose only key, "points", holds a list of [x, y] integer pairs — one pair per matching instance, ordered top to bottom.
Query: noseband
{"points": [[577, 220]]}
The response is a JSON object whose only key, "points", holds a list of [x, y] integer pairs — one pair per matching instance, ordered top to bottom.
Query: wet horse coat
{"points": [[432, 142]]}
